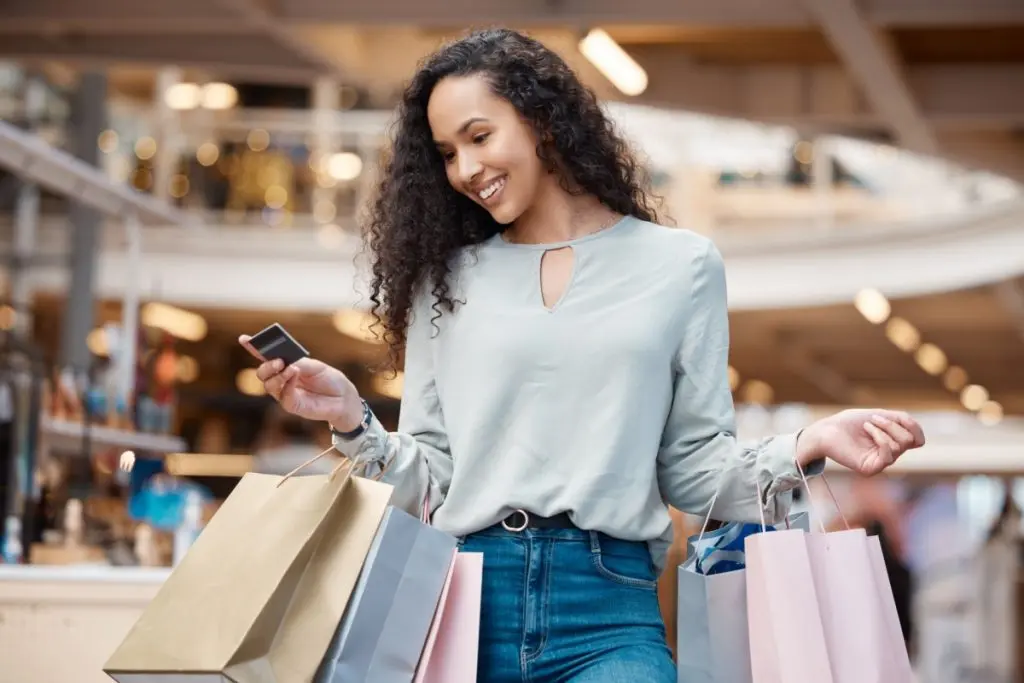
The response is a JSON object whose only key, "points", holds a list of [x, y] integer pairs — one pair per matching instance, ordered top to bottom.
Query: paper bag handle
{"points": [[352, 465], [831, 494], [764, 526]]}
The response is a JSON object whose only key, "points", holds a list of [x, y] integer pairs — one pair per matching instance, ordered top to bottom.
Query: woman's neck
{"points": [[557, 216]]}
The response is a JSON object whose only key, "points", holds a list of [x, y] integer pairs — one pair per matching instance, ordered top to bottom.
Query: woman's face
{"points": [[489, 151]]}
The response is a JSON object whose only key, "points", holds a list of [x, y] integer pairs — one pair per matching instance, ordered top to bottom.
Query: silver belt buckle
{"points": [[526, 521]]}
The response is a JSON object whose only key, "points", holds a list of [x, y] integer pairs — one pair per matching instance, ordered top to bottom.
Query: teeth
{"points": [[492, 188]]}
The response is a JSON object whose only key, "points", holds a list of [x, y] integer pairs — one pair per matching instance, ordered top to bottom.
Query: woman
{"points": [[565, 365]]}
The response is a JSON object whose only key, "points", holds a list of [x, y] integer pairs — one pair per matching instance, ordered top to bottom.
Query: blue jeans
{"points": [[568, 606]]}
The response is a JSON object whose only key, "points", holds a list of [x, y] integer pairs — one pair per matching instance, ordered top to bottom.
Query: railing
{"points": [[303, 168]]}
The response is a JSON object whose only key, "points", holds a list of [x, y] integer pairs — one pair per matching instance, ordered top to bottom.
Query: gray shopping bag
{"points": [[386, 623], [712, 641]]}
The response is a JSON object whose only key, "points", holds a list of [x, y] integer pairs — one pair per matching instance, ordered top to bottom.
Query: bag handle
{"points": [[352, 465], [831, 494], [760, 507], [711, 508]]}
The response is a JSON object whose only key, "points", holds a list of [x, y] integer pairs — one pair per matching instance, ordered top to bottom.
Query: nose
{"points": [[469, 168]]}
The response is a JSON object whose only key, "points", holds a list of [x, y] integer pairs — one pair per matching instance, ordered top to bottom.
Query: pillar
{"points": [[88, 120]]}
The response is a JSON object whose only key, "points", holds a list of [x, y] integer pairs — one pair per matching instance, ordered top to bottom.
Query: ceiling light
{"points": [[613, 62], [182, 96], [219, 96], [258, 140], [107, 141], [145, 148], [208, 153], [344, 166], [275, 197], [873, 305], [174, 321], [355, 323], [901, 333], [96, 341], [931, 359], [187, 370], [734, 378], [955, 378], [249, 383], [389, 385], [758, 392], [974, 396], [990, 413]]}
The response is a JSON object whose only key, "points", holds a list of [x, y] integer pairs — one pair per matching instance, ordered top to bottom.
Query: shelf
{"points": [[64, 435]]}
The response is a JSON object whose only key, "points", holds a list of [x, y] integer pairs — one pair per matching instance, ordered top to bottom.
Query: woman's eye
{"points": [[481, 138], [448, 157]]}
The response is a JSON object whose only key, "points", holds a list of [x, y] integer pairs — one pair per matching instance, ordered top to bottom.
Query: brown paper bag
{"points": [[260, 594]]}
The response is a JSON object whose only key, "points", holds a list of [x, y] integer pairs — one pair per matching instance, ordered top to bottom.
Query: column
{"points": [[326, 103], [88, 120], [168, 133], [822, 180], [26, 222]]}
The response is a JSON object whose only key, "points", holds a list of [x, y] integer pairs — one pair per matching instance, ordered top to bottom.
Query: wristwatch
{"points": [[364, 424]]}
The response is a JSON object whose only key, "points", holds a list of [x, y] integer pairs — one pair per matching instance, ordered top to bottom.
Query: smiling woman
{"points": [[494, 130], [566, 372]]}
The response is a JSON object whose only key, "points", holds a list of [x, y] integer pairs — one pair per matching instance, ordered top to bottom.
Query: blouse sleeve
{"points": [[700, 454], [417, 458]]}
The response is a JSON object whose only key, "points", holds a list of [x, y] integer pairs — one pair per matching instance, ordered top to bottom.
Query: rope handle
{"points": [[352, 466], [760, 506]]}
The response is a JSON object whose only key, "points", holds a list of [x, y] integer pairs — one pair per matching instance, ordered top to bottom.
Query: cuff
{"points": [[370, 446], [779, 469]]}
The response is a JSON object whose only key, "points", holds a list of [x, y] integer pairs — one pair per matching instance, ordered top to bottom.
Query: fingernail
{"points": [[279, 365], [880, 419]]}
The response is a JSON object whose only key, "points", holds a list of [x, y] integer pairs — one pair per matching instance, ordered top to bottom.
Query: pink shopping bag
{"points": [[819, 610], [787, 640], [450, 654], [902, 670]]}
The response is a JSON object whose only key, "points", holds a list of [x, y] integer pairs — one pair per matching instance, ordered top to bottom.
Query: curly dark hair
{"points": [[418, 222]]}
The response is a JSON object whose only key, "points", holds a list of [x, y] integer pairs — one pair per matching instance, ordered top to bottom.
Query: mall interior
{"points": [[173, 175]]}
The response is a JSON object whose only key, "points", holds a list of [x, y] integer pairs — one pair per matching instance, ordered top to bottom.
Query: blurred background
{"points": [[175, 174]]}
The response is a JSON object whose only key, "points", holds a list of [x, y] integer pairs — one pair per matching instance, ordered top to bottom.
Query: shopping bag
{"points": [[259, 595], [819, 609], [382, 634], [787, 640], [712, 641], [450, 654], [902, 671]]}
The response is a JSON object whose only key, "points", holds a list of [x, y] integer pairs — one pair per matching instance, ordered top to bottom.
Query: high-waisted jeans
{"points": [[568, 606]]}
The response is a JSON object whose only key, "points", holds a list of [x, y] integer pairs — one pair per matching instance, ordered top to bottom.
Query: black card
{"points": [[274, 343]]}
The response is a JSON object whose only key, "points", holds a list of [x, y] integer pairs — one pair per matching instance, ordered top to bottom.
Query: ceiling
{"points": [[943, 77], [832, 354]]}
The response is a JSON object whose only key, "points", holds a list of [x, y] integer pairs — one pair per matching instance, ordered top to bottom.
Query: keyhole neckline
{"points": [[554, 246]]}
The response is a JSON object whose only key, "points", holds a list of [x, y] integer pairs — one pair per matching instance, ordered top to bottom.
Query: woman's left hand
{"points": [[865, 441]]}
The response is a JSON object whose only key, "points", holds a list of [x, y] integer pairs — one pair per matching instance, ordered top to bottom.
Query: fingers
{"points": [[244, 340], [268, 369], [280, 380], [912, 425], [899, 433], [887, 447]]}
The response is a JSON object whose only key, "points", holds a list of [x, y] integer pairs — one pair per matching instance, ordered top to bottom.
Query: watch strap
{"points": [[358, 431]]}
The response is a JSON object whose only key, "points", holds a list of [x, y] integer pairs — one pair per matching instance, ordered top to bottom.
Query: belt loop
{"points": [[595, 542]]}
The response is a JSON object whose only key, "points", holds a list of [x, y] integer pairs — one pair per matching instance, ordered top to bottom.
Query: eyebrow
{"points": [[469, 122], [464, 127]]}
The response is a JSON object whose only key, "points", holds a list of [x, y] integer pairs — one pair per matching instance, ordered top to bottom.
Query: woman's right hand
{"points": [[311, 389]]}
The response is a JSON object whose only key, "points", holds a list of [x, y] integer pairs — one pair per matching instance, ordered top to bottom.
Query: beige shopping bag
{"points": [[260, 594]]}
